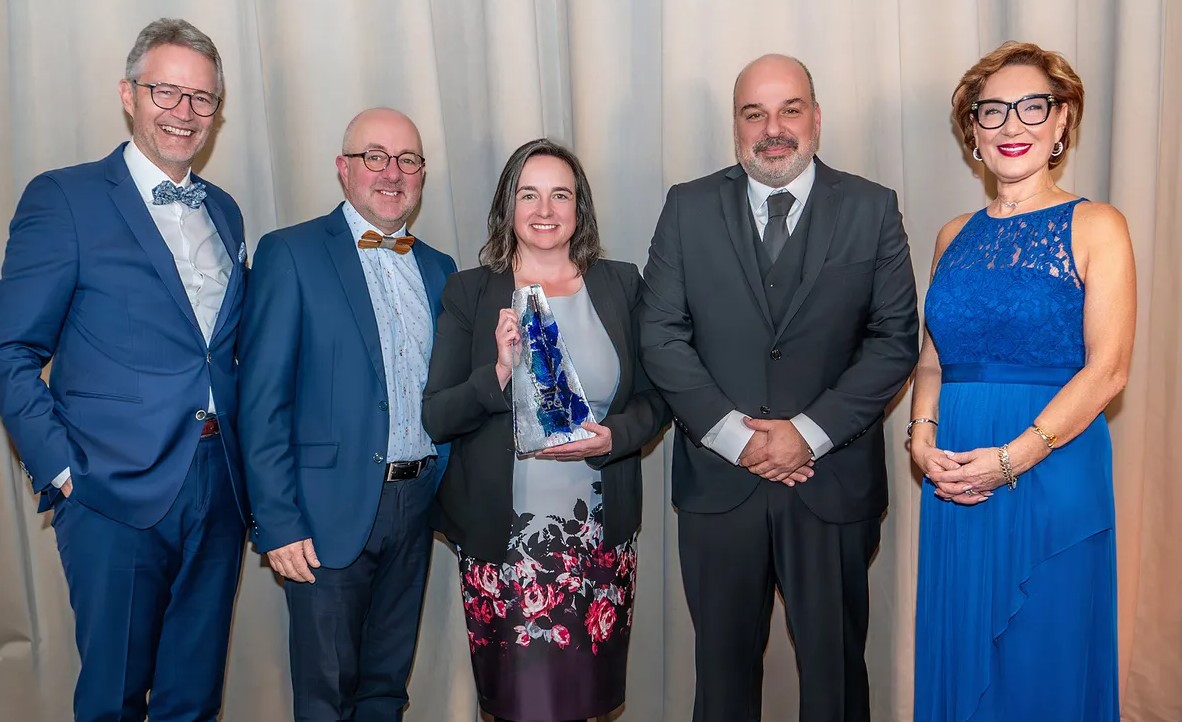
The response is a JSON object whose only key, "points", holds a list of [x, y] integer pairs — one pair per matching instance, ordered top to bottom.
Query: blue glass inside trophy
{"points": [[549, 406]]}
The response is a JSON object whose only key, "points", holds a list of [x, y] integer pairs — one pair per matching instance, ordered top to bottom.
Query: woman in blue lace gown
{"points": [[1030, 319]]}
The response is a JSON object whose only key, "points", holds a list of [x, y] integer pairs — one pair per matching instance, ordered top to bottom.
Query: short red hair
{"points": [[1065, 86]]}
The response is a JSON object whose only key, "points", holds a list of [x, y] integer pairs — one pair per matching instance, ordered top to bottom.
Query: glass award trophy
{"points": [[549, 406]]}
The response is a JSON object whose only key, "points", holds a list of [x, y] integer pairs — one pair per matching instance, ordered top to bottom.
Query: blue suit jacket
{"points": [[89, 281], [315, 417]]}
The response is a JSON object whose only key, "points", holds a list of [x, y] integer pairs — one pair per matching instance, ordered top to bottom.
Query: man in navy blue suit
{"points": [[129, 273], [336, 338]]}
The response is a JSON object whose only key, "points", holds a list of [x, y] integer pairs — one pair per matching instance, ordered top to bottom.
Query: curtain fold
{"points": [[641, 90]]}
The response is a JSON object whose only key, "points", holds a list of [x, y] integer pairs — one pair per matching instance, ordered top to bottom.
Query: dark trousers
{"points": [[731, 564], [152, 607], [353, 631]]}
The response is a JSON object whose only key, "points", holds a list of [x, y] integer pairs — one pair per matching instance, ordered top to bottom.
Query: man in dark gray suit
{"points": [[778, 322]]}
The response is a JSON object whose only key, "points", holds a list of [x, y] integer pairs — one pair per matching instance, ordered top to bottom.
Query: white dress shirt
{"points": [[200, 256], [406, 332], [730, 435]]}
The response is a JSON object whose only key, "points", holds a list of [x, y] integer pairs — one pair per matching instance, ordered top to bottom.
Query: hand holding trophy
{"points": [[549, 407]]}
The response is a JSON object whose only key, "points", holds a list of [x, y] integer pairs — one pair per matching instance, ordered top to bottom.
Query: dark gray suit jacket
{"points": [[844, 346], [464, 404]]}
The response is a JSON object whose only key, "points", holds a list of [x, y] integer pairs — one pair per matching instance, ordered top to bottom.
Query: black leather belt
{"points": [[401, 470]]}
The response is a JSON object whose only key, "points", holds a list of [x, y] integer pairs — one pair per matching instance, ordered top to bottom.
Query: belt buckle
{"points": [[211, 427], [398, 470]]}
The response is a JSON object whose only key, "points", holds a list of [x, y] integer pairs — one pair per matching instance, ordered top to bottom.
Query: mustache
{"points": [[779, 141]]}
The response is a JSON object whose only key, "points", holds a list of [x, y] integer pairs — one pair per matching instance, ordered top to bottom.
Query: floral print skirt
{"points": [[549, 628]]}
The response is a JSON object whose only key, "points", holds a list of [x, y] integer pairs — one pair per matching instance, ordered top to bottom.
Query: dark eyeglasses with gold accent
{"points": [[1033, 109]]}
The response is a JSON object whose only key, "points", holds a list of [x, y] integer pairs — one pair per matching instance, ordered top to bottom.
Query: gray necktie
{"points": [[775, 235]]}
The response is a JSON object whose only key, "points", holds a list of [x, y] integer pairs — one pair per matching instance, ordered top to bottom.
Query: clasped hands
{"points": [[777, 452], [964, 477]]}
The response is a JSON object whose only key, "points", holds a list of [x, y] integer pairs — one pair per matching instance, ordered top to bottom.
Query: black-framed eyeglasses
{"points": [[167, 96], [1033, 109], [378, 160]]}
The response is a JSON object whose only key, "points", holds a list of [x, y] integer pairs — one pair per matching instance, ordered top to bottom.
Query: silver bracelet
{"points": [[919, 420], [1007, 470]]}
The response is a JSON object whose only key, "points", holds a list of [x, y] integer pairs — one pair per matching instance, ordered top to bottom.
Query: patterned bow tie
{"points": [[168, 192], [372, 239]]}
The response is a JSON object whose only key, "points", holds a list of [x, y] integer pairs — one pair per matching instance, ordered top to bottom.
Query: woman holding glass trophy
{"points": [[535, 380]]}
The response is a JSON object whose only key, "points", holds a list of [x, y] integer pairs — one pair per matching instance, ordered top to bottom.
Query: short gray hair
{"points": [[173, 31]]}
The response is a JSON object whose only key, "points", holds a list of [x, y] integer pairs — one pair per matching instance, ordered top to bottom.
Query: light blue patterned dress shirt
{"points": [[406, 333]]}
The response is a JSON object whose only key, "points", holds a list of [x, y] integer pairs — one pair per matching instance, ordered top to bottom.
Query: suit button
{"points": [[776, 355], [209, 358], [384, 405], [764, 410], [200, 415], [378, 458]]}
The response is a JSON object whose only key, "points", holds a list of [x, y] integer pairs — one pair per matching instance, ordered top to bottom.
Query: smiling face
{"points": [[777, 124], [170, 138], [1015, 150], [387, 198], [544, 209]]}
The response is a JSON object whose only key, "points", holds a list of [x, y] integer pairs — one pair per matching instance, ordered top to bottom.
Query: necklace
{"points": [[1011, 205]]}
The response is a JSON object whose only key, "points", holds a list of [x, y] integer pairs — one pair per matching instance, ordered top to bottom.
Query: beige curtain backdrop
{"points": [[641, 90]]}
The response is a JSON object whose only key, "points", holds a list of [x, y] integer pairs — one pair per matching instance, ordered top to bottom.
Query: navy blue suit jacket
{"points": [[89, 281], [315, 416]]}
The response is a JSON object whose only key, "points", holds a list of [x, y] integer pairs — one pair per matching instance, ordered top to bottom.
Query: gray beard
{"points": [[778, 175]]}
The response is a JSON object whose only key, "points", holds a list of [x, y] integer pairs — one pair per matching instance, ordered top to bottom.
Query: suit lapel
{"points": [[825, 200], [131, 206], [736, 211], [339, 243], [433, 280], [234, 287], [498, 292], [613, 317]]}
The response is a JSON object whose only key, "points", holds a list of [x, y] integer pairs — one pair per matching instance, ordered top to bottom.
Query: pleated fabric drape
{"points": [[641, 90]]}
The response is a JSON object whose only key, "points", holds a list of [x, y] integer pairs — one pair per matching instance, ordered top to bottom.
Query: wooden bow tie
{"points": [[372, 239]]}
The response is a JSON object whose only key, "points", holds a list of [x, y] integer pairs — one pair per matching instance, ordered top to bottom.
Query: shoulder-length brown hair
{"points": [[1065, 86], [500, 250]]}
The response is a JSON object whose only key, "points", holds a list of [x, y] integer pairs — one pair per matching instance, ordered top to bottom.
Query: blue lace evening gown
{"points": [[1016, 614]]}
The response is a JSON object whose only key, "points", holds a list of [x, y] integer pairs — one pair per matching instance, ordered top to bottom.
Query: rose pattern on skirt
{"points": [[559, 586]]}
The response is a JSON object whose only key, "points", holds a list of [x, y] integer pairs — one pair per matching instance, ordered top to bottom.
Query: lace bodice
{"points": [[1006, 291]]}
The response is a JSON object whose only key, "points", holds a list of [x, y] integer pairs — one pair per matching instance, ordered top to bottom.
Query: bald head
{"points": [[772, 64], [385, 118], [777, 119], [385, 198]]}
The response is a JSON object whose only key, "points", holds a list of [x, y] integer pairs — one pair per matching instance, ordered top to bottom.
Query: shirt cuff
{"points": [[729, 437], [818, 441], [60, 480]]}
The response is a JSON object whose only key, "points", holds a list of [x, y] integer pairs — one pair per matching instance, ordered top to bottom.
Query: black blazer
{"points": [[845, 344], [464, 404]]}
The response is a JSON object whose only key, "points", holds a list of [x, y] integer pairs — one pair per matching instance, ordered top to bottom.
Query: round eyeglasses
{"points": [[167, 96], [1032, 109], [378, 160]]}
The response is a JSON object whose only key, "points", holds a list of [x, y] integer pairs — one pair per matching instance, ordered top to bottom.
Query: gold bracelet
{"points": [[1047, 437], [1007, 471]]}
